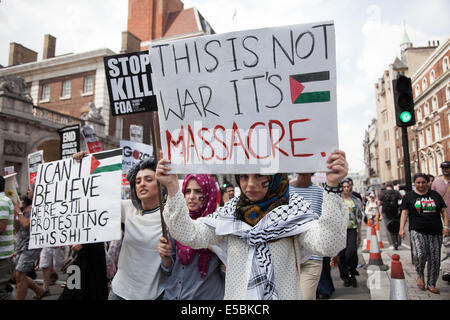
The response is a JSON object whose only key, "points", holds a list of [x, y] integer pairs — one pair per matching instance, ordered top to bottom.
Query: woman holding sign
{"points": [[262, 230], [193, 274]]}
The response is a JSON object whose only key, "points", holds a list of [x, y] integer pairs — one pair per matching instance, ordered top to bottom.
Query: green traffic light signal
{"points": [[405, 116]]}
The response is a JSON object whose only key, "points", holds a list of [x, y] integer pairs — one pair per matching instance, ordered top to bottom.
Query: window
{"points": [[445, 64], [432, 77], [424, 84], [88, 85], [66, 87], [417, 90], [447, 93], [45, 95], [434, 103], [427, 109], [419, 114], [384, 116], [437, 131], [386, 135], [429, 137], [421, 140], [413, 145], [387, 153], [399, 155], [440, 157], [432, 165]]}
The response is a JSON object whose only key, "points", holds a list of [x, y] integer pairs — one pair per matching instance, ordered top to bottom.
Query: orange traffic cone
{"points": [[369, 230], [380, 243], [375, 254], [398, 289]]}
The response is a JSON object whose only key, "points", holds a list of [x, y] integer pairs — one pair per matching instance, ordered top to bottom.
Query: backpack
{"points": [[390, 203]]}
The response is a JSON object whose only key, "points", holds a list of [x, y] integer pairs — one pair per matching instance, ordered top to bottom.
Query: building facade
{"points": [[429, 138], [390, 145]]}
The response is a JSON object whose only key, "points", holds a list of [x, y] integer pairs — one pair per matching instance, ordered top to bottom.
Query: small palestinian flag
{"points": [[297, 84], [106, 161]]}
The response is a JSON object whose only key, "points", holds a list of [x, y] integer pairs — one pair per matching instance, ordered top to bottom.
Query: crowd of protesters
{"points": [[276, 239]]}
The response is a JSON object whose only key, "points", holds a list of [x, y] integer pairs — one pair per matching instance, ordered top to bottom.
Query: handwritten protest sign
{"points": [[251, 101], [34, 160], [77, 202]]}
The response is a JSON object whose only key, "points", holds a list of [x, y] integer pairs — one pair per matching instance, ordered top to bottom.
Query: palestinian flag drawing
{"points": [[303, 87], [107, 161]]}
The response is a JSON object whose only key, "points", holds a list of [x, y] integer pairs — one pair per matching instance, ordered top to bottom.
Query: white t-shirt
{"points": [[138, 275]]}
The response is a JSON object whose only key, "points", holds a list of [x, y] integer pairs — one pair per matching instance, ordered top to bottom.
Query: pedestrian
{"points": [[431, 178], [442, 186], [389, 201], [424, 208], [372, 209], [261, 232], [6, 242], [348, 257], [26, 258], [51, 260], [311, 269], [192, 274], [138, 275], [93, 283]]}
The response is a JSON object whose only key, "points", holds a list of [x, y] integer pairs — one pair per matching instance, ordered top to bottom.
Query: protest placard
{"points": [[128, 77], [251, 101], [91, 139], [70, 141], [34, 160], [77, 202]]}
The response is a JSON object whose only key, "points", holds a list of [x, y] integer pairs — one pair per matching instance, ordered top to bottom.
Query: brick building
{"points": [[429, 138]]}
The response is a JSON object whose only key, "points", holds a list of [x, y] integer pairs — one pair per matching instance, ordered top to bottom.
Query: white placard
{"points": [[250, 101], [77, 202]]}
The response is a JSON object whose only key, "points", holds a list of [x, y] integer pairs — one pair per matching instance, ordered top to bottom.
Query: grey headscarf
{"points": [[148, 163]]}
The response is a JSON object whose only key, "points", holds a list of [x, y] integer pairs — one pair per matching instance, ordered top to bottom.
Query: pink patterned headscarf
{"points": [[209, 205]]}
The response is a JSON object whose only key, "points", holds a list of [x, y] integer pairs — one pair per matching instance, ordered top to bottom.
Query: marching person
{"points": [[442, 186], [424, 209], [260, 233], [6, 242], [348, 257], [193, 274], [138, 275]]}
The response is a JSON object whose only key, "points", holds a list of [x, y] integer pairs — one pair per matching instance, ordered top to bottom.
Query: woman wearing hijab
{"points": [[258, 235], [193, 274]]}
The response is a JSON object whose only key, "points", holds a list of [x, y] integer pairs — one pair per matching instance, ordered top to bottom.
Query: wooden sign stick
{"points": [[156, 141]]}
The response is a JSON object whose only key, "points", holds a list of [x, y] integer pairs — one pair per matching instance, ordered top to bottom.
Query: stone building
{"points": [[390, 164]]}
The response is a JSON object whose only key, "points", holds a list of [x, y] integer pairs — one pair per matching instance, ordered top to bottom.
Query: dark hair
{"points": [[148, 163], [421, 175], [431, 176], [2, 184], [26, 202]]}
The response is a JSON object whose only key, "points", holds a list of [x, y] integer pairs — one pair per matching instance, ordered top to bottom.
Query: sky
{"points": [[368, 36]]}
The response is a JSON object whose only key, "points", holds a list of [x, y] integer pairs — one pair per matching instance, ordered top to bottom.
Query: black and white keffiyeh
{"points": [[284, 221]]}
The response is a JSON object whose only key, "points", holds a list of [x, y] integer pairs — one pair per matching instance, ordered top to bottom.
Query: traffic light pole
{"points": [[406, 159]]}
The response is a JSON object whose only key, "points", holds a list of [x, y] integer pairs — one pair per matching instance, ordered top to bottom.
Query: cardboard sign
{"points": [[129, 83], [257, 101], [70, 141], [92, 141], [134, 152], [35, 159], [11, 187], [77, 202]]}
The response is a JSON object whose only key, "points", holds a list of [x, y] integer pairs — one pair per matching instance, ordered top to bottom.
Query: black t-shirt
{"points": [[389, 202], [424, 211]]}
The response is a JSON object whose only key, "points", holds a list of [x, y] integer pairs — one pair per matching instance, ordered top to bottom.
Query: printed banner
{"points": [[129, 83], [256, 101], [136, 133], [70, 141], [92, 142], [134, 152], [35, 159], [77, 202]]}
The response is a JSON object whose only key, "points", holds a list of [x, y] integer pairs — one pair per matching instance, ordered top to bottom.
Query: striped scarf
{"points": [[284, 221]]}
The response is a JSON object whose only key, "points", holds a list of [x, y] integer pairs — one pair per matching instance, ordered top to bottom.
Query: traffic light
{"points": [[404, 102]]}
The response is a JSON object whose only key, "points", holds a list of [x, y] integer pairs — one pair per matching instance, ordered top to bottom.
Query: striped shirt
{"points": [[314, 195], [7, 237]]}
